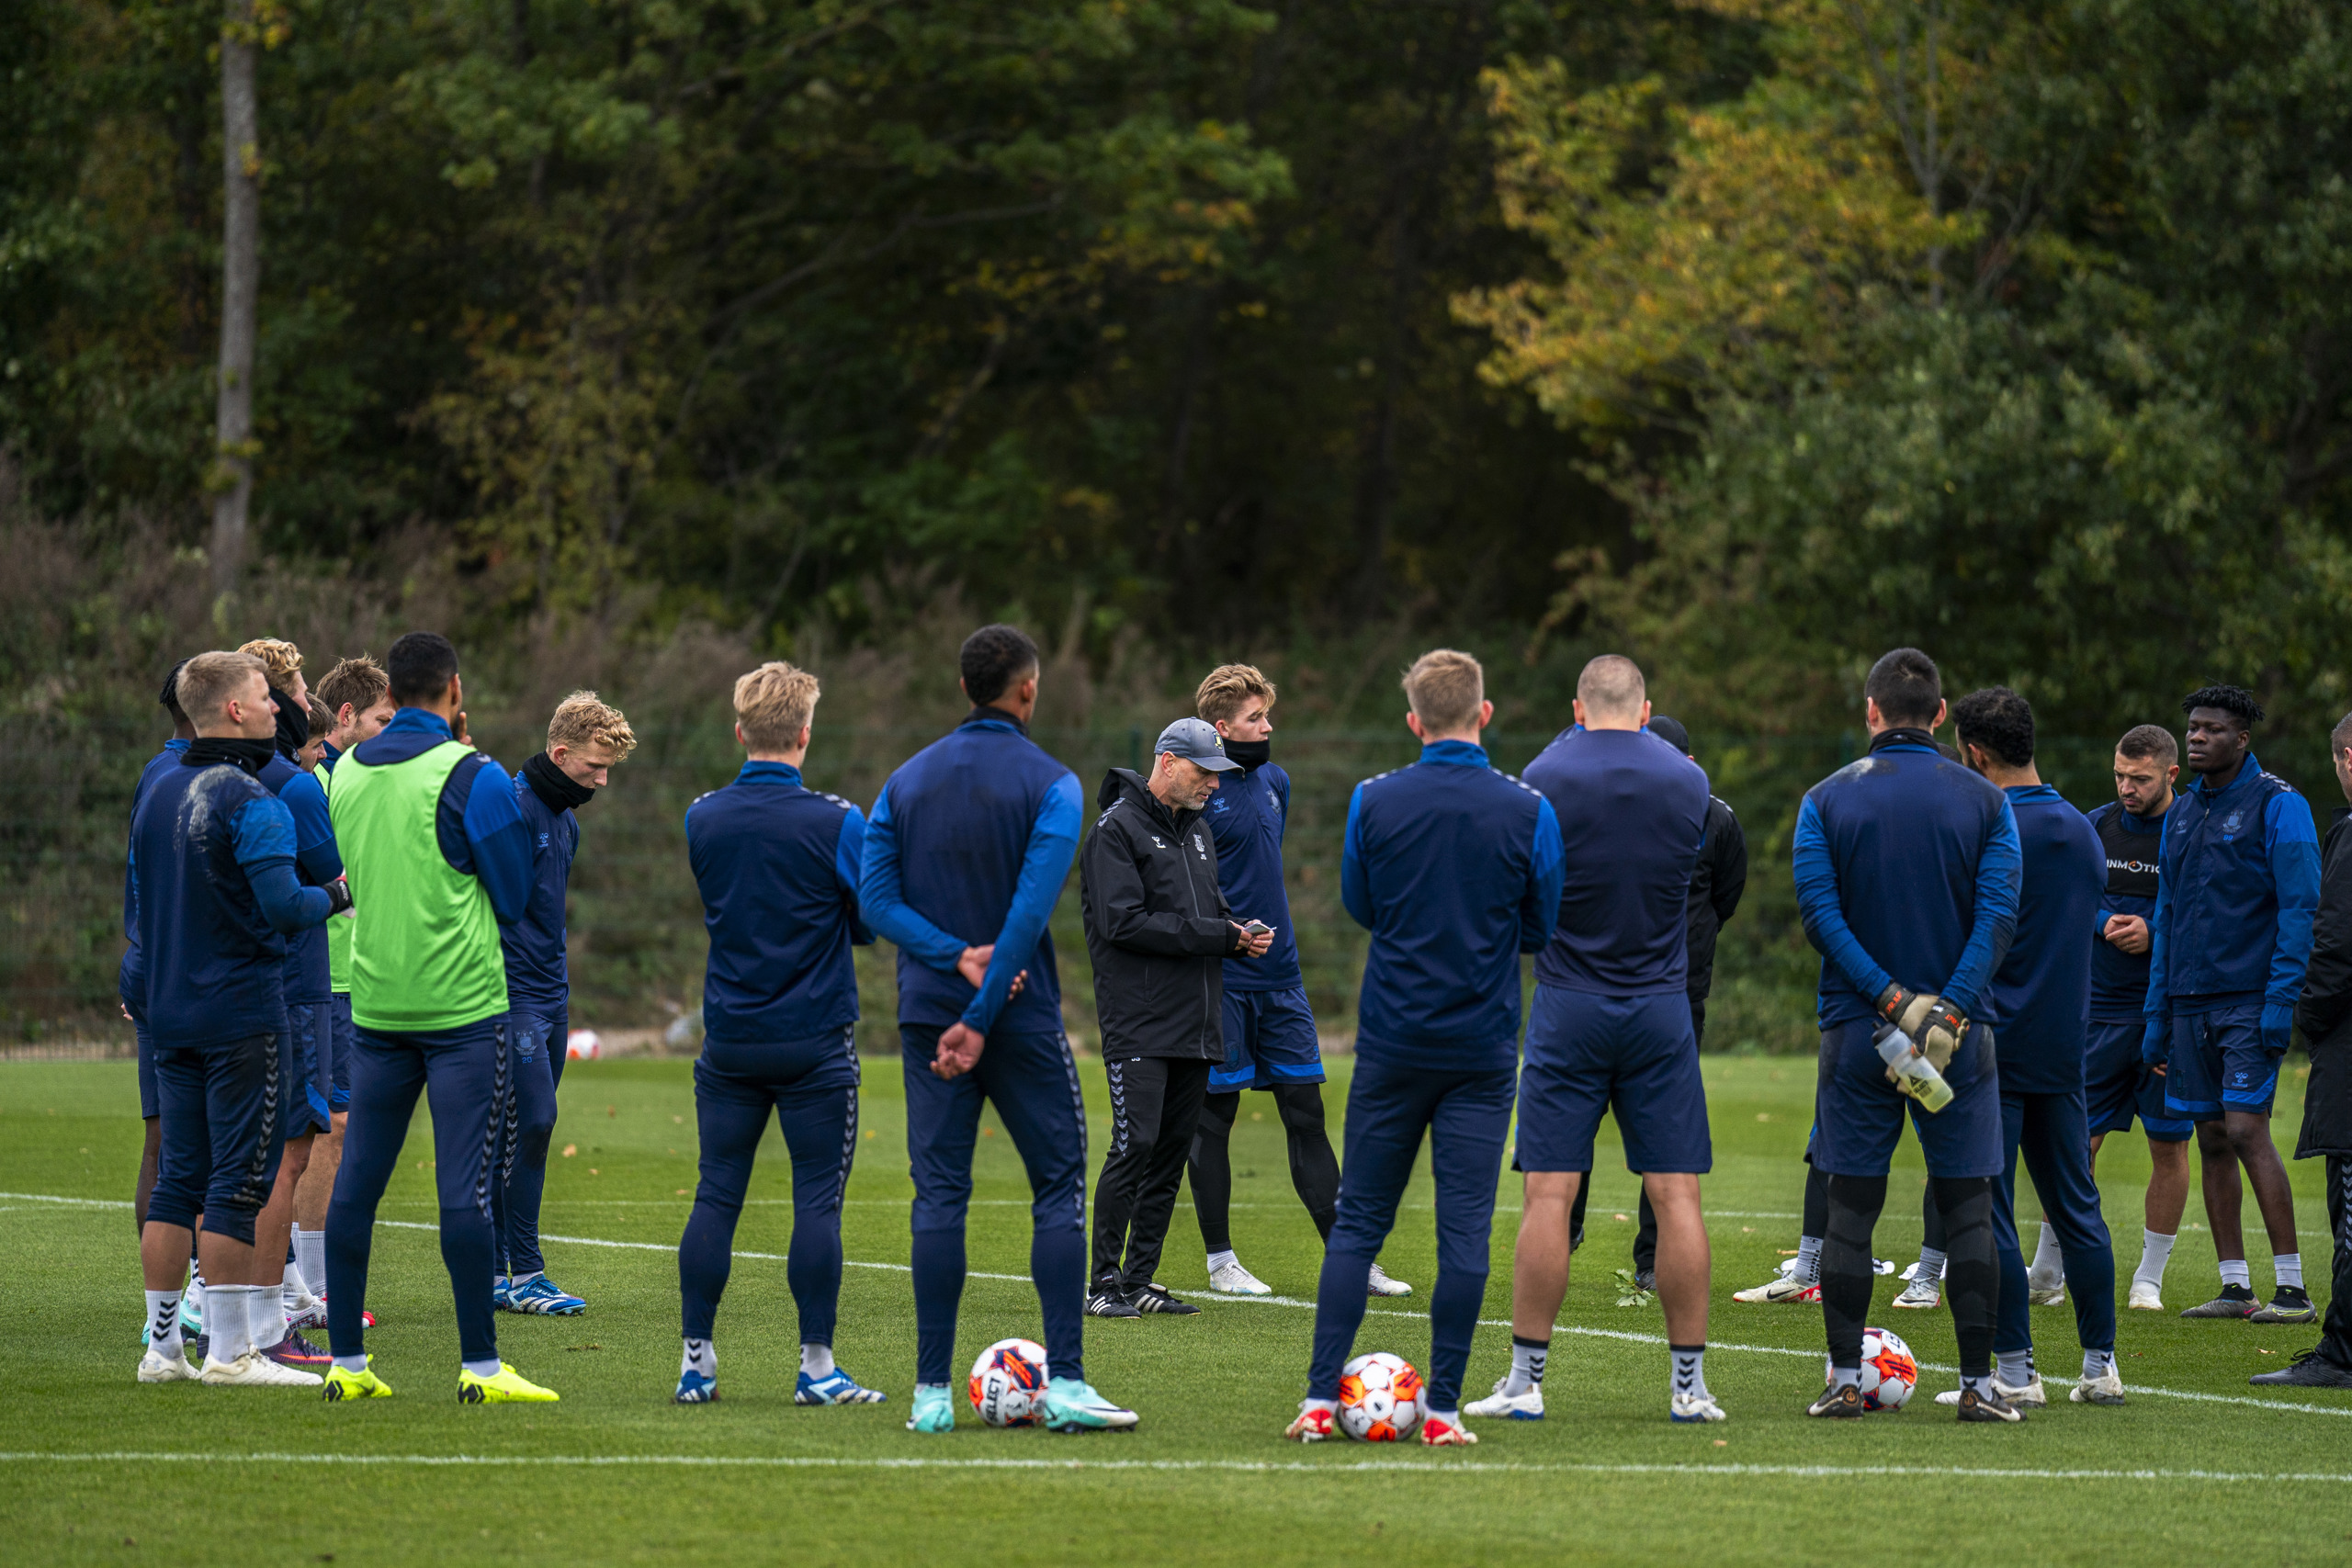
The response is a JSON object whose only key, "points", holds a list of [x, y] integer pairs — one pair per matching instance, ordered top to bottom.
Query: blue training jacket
{"points": [[1632, 816], [1247, 817], [479, 828], [970, 843], [777, 863], [316, 864], [1455, 867], [1907, 870], [217, 896], [2235, 896], [2119, 979], [130, 980], [538, 980], [2041, 993]]}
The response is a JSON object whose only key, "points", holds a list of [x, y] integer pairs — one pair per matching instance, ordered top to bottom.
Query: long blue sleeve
{"points": [[263, 833], [500, 842], [314, 846], [849, 858], [1045, 866], [2294, 871], [2000, 875], [1355, 894], [881, 897], [1539, 912], [1823, 916]]}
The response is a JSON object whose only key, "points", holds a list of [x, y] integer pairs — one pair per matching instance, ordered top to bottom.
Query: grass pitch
{"points": [[100, 1469]]}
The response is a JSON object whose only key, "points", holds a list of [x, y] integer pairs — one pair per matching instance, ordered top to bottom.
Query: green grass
{"points": [[1205, 1481]]}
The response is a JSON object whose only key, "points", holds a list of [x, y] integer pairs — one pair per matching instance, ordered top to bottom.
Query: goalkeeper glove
{"points": [[338, 896], [1934, 1024]]}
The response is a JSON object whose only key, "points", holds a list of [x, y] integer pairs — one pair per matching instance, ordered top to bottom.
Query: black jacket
{"points": [[1716, 883], [1156, 927], [2324, 1012]]}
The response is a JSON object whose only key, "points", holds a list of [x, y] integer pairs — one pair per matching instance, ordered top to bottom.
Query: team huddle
{"points": [[334, 903]]}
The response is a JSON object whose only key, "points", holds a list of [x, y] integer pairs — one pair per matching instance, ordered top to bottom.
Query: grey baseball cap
{"points": [[1196, 741]]}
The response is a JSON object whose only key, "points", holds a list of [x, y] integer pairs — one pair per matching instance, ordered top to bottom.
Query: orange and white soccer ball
{"points": [[583, 1045], [1890, 1372], [1009, 1382], [1381, 1398]]}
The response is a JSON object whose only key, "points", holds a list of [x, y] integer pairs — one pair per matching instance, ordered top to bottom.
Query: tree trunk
{"points": [[232, 477]]}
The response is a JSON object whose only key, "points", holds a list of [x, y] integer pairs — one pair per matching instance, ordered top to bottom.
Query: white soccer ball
{"points": [[583, 1045], [1890, 1372], [1008, 1385], [1381, 1398]]}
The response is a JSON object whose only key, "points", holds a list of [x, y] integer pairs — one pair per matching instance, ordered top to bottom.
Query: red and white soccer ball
{"points": [[583, 1045], [1890, 1374], [1009, 1382], [1381, 1398]]}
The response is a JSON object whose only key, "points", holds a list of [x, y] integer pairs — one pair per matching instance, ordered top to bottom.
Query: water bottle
{"points": [[1914, 1074]]}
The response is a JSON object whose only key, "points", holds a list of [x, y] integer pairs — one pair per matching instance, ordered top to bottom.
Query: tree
{"points": [[231, 481]]}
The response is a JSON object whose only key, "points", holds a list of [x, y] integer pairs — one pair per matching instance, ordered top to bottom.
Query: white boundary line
{"points": [[1622, 1336], [1381, 1467]]}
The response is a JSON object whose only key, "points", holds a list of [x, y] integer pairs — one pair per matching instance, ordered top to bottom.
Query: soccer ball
{"points": [[583, 1045], [1889, 1372], [1009, 1382], [1379, 1398]]}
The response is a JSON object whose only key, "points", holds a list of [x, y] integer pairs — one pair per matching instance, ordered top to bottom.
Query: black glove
{"points": [[338, 896]]}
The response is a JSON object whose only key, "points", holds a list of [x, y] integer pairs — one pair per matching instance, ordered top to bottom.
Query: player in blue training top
{"points": [[586, 739], [965, 853], [777, 864], [1455, 867], [1907, 874], [217, 896], [2232, 936], [131, 983], [2040, 1014], [1612, 1029], [1270, 1039], [2118, 1086]]}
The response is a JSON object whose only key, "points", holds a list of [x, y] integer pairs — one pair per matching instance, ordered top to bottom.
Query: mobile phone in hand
{"points": [[1257, 928]]}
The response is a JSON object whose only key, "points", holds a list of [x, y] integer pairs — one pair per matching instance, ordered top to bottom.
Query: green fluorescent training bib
{"points": [[423, 953]]}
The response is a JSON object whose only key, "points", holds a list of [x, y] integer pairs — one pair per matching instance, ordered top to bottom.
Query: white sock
{"points": [[2156, 1251], [310, 1257], [1220, 1259], [1931, 1266], [1808, 1269], [2048, 1269], [2291, 1270], [2235, 1272], [513, 1280], [296, 1289], [265, 1314], [225, 1317], [164, 1323], [701, 1357], [1527, 1359], [817, 1361], [352, 1363], [2096, 1364], [2013, 1368], [482, 1369], [1690, 1369], [1845, 1377], [1311, 1404]]}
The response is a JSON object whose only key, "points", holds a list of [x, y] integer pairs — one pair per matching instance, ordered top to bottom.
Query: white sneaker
{"points": [[1232, 1280], [1382, 1285], [1787, 1288], [1926, 1296], [2054, 1296], [2146, 1297], [304, 1310], [153, 1368], [254, 1369], [2108, 1390], [2032, 1396], [1528, 1406], [1696, 1407]]}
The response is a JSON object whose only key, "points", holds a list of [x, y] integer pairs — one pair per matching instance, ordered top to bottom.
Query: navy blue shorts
{"points": [[310, 1035], [344, 1039], [1268, 1040], [1635, 1055], [2219, 1063], [2118, 1086], [149, 1106], [1858, 1115], [222, 1136]]}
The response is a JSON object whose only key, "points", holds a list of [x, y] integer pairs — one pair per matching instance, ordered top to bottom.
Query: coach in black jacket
{"points": [[1159, 932], [2324, 1015]]}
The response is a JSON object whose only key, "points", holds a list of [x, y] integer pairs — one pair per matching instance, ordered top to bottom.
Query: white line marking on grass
{"points": [[1623, 1336], [1382, 1467]]}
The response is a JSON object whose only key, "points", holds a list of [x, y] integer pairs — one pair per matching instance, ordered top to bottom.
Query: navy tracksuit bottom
{"points": [[535, 1048], [811, 1086], [1466, 1115], [2052, 1131]]}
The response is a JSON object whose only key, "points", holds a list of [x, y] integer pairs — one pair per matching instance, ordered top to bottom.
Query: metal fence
{"points": [[635, 924]]}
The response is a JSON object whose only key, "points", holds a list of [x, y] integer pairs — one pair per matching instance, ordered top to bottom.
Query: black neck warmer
{"points": [[993, 716], [293, 722], [1904, 735], [1250, 753], [251, 756], [553, 785]]}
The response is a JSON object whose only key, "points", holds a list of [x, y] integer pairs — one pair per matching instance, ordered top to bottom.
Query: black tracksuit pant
{"points": [[1155, 1105], [2335, 1335]]}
